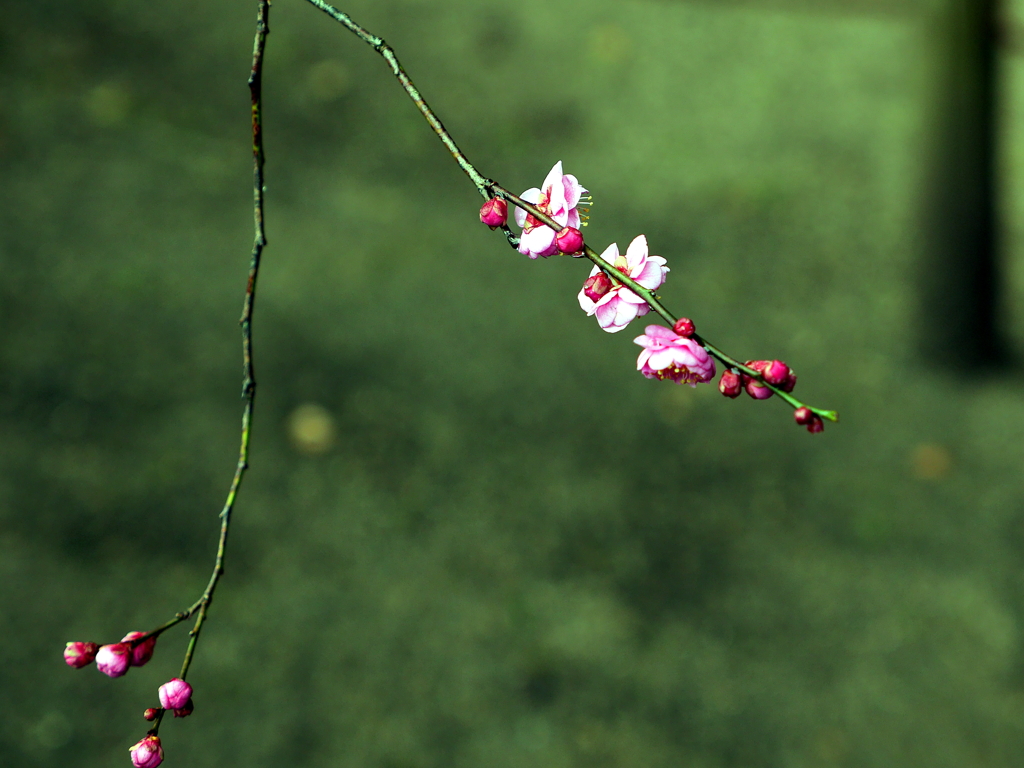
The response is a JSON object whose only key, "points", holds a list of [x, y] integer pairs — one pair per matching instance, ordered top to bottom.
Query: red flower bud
{"points": [[494, 212], [569, 240], [596, 286], [684, 327], [776, 373], [789, 383], [730, 384], [756, 389], [803, 416], [815, 425], [141, 652], [79, 654], [114, 660], [174, 694], [186, 710], [150, 714], [147, 753]]}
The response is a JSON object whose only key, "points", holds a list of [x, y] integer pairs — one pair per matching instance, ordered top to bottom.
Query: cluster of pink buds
{"points": [[776, 373], [114, 659]]}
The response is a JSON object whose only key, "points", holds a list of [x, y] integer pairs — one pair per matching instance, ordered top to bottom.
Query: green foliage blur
{"points": [[472, 535]]}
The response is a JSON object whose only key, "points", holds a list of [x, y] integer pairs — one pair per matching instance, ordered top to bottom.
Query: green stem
{"points": [[201, 607]]}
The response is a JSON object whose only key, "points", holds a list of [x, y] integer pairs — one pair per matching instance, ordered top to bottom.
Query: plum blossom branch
{"points": [[490, 189], [200, 608]]}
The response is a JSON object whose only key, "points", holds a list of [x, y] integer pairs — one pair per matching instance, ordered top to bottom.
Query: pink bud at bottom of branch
{"points": [[494, 212], [569, 240], [596, 286], [684, 327], [730, 384], [756, 389], [805, 417], [142, 652], [79, 654], [114, 660], [174, 694], [186, 710], [150, 714], [147, 753]]}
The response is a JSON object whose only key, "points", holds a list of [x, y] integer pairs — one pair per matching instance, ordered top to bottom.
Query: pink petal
{"points": [[553, 178], [573, 190], [532, 195], [573, 219], [538, 240], [611, 253], [636, 253], [653, 273], [627, 295], [586, 304], [606, 313], [625, 314], [661, 333], [644, 355], [661, 358]]}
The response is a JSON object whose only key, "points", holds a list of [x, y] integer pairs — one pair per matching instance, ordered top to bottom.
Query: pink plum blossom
{"points": [[558, 198], [620, 306], [667, 355], [142, 652], [79, 654], [114, 660], [174, 694], [147, 753]]}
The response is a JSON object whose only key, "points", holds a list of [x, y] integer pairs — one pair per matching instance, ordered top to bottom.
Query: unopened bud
{"points": [[494, 212], [569, 240], [596, 286], [684, 327], [776, 372], [789, 383], [730, 384], [756, 389], [803, 416], [816, 425], [141, 652], [79, 654], [114, 660], [174, 694], [186, 710], [150, 714], [147, 753]]}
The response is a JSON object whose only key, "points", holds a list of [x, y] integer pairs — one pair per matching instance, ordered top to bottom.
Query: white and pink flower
{"points": [[558, 198], [619, 306], [667, 355]]}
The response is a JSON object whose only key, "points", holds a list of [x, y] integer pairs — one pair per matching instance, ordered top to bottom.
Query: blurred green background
{"points": [[472, 534]]}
